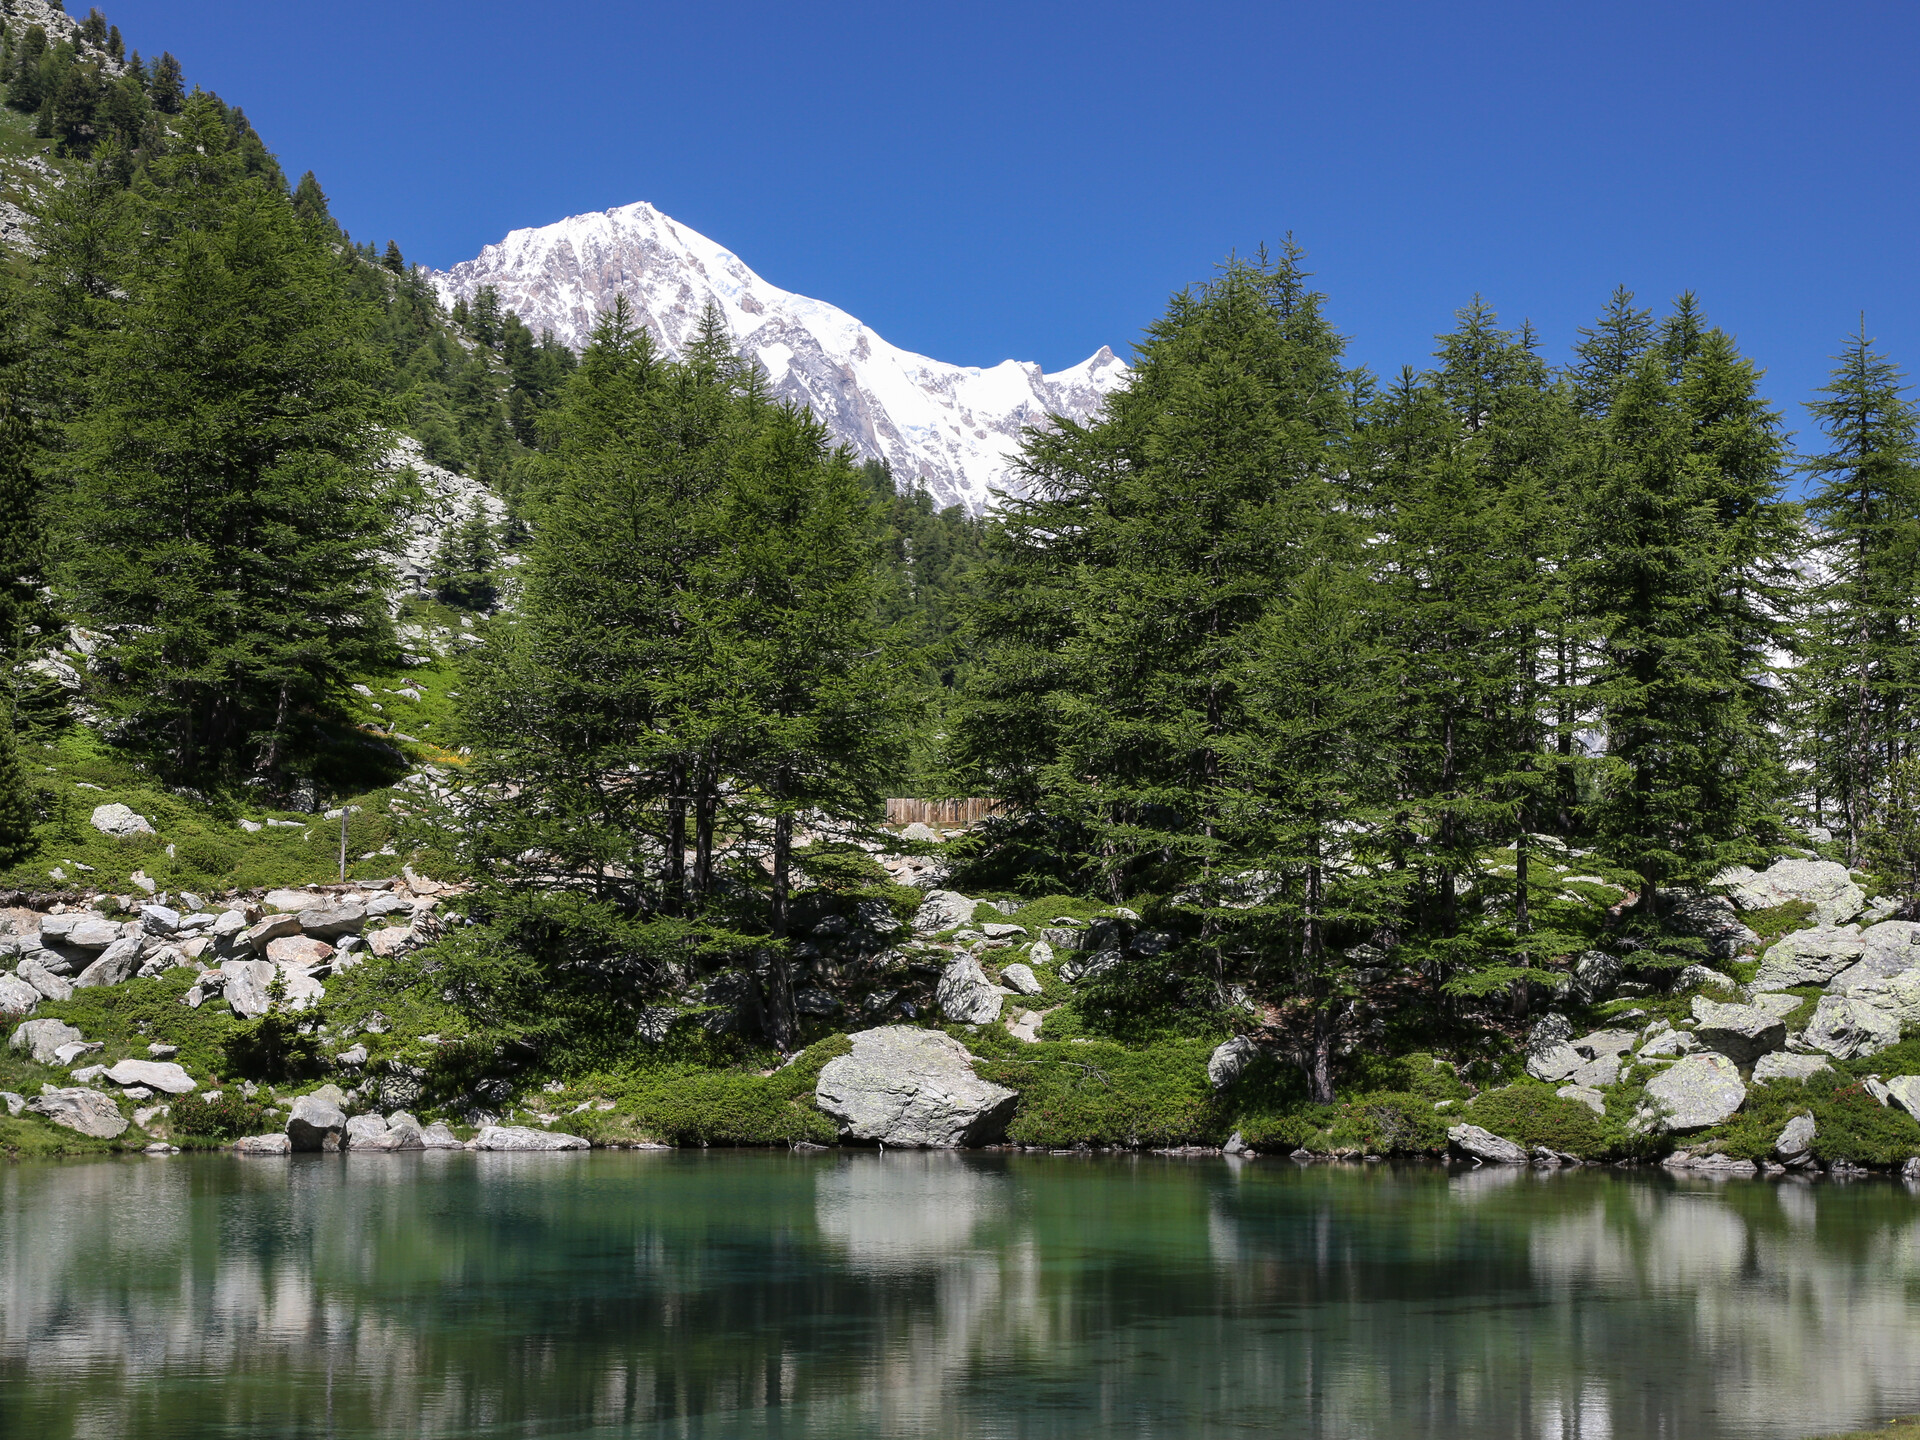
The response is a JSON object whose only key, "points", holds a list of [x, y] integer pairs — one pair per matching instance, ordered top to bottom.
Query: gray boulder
{"points": [[120, 822], [1824, 884], [942, 910], [334, 919], [1714, 919], [160, 920], [274, 927], [91, 932], [1059, 937], [1040, 953], [1809, 957], [118, 963], [1595, 974], [1020, 978], [247, 982], [50, 985], [965, 995], [1898, 995], [17, 997], [1781, 1005], [1847, 1029], [1743, 1033], [42, 1039], [1604, 1042], [1666, 1043], [1230, 1060], [1555, 1062], [1782, 1066], [1605, 1070], [160, 1075], [912, 1089], [1695, 1092], [1905, 1092], [1586, 1095], [14, 1103], [77, 1108], [318, 1120], [365, 1132], [404, 1132], [438, 1136], [517, 1137], [1478, 1144], [1795, 1144], [263, 1145]]}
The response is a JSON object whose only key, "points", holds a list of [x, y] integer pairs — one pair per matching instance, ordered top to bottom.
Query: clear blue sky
{"points": [[1032, 180]]}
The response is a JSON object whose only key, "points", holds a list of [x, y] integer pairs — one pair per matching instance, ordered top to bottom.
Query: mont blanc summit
{"points": [[950, 428]]}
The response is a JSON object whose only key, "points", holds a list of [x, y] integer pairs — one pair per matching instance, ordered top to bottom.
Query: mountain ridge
{"points": [[951, 429]]}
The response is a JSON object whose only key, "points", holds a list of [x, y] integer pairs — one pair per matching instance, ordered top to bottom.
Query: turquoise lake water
{"points": [[736, 1293]]}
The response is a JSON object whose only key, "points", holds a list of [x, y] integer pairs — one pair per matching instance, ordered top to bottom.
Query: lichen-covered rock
{"points": [[120, 822], [1824, 884], [942, 910], [334, 918], [1809, 957], [117, 964], [1021, 978], [50, 985], [965, 995], [17, 997], [1848, 1029], [1743, 1033], [42, 1039], [1604, 1042], [1230, 1060], [1554, 1062], [1784, 1066], [1601, 1071], [164, 1076], [913, 1089], [1695, 1092], [1905, 1092], [1586, 1095], [78, 1108], [318, 1120], [365, 1132], [438, 1136], [517, 1137], [1795, 1142], [1478, 1144], [264, 1145]]}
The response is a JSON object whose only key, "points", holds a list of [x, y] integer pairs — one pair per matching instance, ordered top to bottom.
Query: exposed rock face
{"points": [[949, 428], [120, 822], [1824, 884], [942, 910], [333, 919], [1809, 957], [118, 963], [1020, 978], [50, 985], [965, 995], [17, 997], [1847, 1029], [1743, 1033], [42, 1039], [1230, 1060], [1554, 1062], [1782, 1066], [159, 1075], [912, 1089], [1696, 1092], [1905, 1092], [1586, 1095], [78, 1108], [317, 1121], [438, 1136], [515, 1137], [1795, 1143], [1478, 1144]]}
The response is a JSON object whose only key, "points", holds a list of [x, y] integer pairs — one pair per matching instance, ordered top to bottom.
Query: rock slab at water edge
{"points": [[912, 1089], [1697, 1091], [78, 1108], [317, 1121], [517, 1137], [1795, 1142], [1478, 1144], [264, 1145]]}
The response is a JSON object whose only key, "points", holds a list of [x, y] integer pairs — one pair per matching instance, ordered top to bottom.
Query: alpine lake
{"points": [[727, 1293]]}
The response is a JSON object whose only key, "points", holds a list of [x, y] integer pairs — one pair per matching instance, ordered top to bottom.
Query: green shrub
{"points": [[206, 856], [1103, 1093], [1531, 1114], [229, 1117]]}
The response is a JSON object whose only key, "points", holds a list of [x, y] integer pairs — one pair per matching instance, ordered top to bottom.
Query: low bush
{"points": [[1104, 1093], [1531, 1114], [227, 1117]]}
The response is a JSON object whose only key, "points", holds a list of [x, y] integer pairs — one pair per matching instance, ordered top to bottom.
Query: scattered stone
{"points": [[120, 822], [1824, 884], [290, 901], [942, 910], [1713, 919], [160, 920], [330, 921], [274, 927], [999, 930], [89, 933], [1057, 937], [391, 941], [299, 950], [1040, 953], [1809, 957], [117, 963], [1090, 967], [1594, 974], [1700, 977], [1021, 978], [50, 985], [965, 995], [17, 997], [1781, 1005], [1025, 1026], [1848, 1029], [1743, 1033], [43, 1039], [1605, 1042], [1668, 1043], [160, 1051], [355, 1056], [1230, 1060], [1555, 1062], [1782, 1066], [1597, 1073], [86, 1074], [159, 1075], [1873, 1086], [912, 1089], [1695, 1092], [1586, 1095], [77, 1108], [144, 1118], [317, 1120], [366, 1132], [404, 1132], [517, 1137], [1795, 1143], [1478, 1144], [264, 1145], [1236, 1145], [1713, 1164]]}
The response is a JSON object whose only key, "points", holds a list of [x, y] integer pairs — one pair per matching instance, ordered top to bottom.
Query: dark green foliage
{"points": [[392, 260], [463, 566], [17, 797], [272, 1047], [1103, 1093], [1530, 1114], [229, 1117], [1849, 1124]]}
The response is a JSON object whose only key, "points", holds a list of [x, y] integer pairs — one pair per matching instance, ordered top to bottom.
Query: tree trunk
{"points": [[704, 806], [782, 860], [676, 887]]}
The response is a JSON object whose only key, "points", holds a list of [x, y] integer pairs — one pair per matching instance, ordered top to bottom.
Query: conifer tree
{"points": [[167, 86], [310, 204], [392, 259], [223, 514], [464, 563], [1860, 678], [17, 810]]}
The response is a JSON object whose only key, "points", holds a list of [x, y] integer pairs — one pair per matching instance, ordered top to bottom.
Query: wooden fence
{"points": [[946, 813]]}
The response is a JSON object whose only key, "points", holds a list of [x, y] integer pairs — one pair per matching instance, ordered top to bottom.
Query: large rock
{"points": [[119, 822], [1824, 884], [292, 902], [942, 910], [334, 919], [1714, 919], [274, 927], [90, 932], [391, 940], [1892, 949], [301, 951], [1809, 957], [118, 963], [1020, 978], [50, 985], [249, 986], [1898, 994], [965, 995], [17, 997], [1847, 1029], [1743, 1033], [42, 1039], [1604, 1042], [1230, 1060], [1554, 1062], [1783, 1066], [1601, 1071], [154, 1074], [913, 1089], [1695, 1092], [1905, 1092], [1586, 1095], [78, 1108], [317, 1121], [365, 1132], [404, 1132], [438, 1136], [516, 1137], [1795, 1142], [1478, 1144], [264, 1145]]}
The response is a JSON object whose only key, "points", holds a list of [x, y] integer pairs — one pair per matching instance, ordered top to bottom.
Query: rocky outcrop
{"points": [[120, 822], [1822, 883], [942, 910], [1810, 957], [966, 996], [1848, 1029], [1743, 1033], [42, 1039], [1782, 1065], [164, 1076], [912, 1089], [1695, 1092], [78, 1108], [318, 1121], [516, 1137], [1477, 1144], [264, 1145], [1794, 1145]]}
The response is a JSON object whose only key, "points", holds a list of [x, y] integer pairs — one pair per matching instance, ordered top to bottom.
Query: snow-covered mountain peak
{"points": [[950, 428]]}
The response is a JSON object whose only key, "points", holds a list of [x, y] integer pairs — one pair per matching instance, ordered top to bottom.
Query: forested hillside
{"points": [[1345, 737]]}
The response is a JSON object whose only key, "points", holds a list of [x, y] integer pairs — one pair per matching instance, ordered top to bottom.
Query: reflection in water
{"points": [[719, 1294]]}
